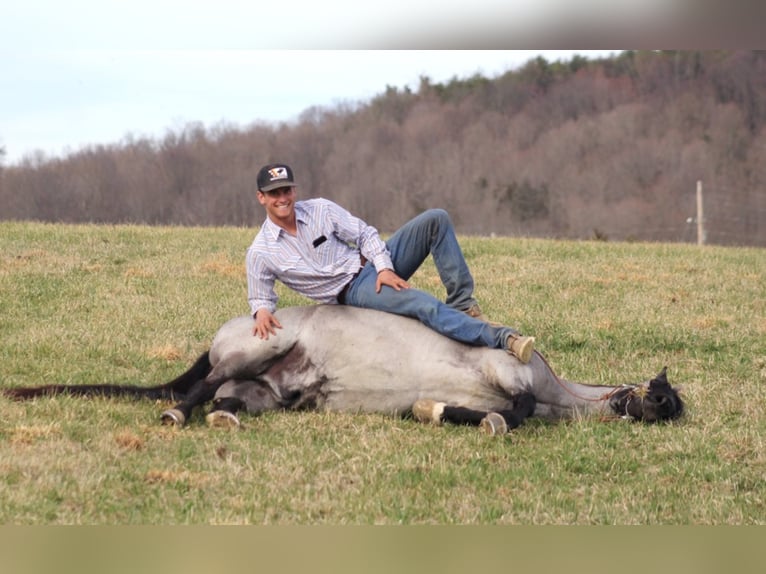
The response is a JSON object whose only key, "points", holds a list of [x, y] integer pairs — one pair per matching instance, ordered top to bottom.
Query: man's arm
{"points": [[351, 229], [354, 230], [261, 295]]}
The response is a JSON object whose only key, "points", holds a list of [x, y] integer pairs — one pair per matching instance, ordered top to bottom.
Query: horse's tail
{"points": [[175, 389]]}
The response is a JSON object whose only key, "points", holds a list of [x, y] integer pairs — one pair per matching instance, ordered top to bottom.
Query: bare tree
{"points": [[610, 148]]}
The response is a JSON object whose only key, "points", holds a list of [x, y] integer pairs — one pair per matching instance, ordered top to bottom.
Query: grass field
{"points": [[135, 305]]}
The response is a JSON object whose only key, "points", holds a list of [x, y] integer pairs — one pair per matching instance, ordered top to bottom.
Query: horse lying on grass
{"points": [[341, 358]]}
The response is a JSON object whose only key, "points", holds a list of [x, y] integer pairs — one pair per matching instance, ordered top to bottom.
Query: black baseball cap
{"points": [[274, 176]]}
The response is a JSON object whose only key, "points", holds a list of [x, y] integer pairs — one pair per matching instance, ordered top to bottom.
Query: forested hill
{"points": [[610, 148]]}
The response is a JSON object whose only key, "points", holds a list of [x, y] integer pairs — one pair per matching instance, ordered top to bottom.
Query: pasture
{"points": [[136, 305]]}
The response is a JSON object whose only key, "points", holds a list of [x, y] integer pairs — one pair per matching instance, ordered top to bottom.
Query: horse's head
{"points": [[649, 402]]}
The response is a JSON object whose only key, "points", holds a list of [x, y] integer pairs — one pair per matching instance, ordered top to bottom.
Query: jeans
{"points": [[429, 233]]}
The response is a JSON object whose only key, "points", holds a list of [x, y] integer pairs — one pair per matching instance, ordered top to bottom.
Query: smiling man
{"points": [[322, 251]]}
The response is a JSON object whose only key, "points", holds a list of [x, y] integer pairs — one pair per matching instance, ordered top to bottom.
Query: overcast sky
{"points": [[85, 72], [61, 101]]}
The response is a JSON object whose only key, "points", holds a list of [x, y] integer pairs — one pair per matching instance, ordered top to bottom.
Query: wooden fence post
{"points": [[700, 216]]}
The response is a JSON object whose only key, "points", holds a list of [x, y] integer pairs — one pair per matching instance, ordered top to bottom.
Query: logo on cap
{"points": [[278, 173]]}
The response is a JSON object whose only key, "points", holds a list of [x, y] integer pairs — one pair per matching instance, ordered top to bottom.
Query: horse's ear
{"points": [[663, 376]]}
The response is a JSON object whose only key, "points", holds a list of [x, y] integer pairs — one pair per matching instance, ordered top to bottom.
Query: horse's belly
{"points": [[397, 395]]}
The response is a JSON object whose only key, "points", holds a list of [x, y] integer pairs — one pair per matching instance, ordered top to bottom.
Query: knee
{"points": [[438, 215], [437, 220]]}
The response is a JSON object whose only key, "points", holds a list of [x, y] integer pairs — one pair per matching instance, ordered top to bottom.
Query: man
{"points": [[320, 250]]}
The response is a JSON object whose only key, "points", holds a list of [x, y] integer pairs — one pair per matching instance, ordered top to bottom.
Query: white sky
{"points": [[85, 72], [61, 101]]}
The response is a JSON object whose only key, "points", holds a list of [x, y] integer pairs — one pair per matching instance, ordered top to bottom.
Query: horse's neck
{"points": [[595, 397], [560, 398]]}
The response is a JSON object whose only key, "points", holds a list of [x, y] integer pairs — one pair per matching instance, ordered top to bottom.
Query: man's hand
{"points": [[388, 277], [265, 323]]}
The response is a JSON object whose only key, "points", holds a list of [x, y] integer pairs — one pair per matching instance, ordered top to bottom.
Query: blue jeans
{"points": [[429, 233]]}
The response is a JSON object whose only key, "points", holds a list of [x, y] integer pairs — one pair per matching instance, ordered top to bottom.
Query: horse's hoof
{"points": [[428, 411], [173, 417], [222, 420], [493, 424]]}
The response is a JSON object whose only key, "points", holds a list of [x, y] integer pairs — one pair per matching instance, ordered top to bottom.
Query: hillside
{"points": [[610, 148]]}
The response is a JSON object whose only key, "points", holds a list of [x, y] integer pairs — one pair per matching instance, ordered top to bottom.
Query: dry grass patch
{"points": [[220, 264], [138, 273], [166, 353], [26, 435], [129, 440], [190, 479]]}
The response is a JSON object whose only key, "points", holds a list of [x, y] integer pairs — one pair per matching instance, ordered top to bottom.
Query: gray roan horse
{"points": [[338, 358]]}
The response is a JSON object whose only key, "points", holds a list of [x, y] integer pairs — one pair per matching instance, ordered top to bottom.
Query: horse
{"points": [[342, 358]]}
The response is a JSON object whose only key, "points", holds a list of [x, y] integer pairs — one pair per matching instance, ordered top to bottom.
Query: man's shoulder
{"points": [[313, 203], [316, 207], [264, 236]]}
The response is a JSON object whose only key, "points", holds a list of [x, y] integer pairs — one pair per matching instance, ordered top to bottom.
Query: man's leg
{"points": [[432, 232], [423, 306]]}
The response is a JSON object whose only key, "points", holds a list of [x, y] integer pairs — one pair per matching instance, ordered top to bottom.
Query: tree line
{"points": [[610, 148]]}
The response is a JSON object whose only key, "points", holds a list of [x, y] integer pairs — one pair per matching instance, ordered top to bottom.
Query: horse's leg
{"points": [[200, 392], [236, 395], [523, 407], [426, 410], [496, 422], [492, 423]]}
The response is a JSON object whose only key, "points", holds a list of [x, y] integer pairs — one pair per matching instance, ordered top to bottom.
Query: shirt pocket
{"points": [[290, 263]]}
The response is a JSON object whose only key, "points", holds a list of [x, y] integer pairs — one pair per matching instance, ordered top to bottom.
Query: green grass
{"points": [[135, 305]]}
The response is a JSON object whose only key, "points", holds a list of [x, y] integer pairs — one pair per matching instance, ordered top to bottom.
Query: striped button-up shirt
{"points": [[319, 261]]}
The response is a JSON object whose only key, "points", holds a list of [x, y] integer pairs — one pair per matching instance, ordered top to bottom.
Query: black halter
{"points": [[621, 399], [652, 402]]}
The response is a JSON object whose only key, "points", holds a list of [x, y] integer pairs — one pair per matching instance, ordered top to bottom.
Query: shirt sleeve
{"points": [[353, 230], [260, 284]]}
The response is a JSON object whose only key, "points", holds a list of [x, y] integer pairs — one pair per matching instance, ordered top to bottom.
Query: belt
{"points": [[344, 291]]}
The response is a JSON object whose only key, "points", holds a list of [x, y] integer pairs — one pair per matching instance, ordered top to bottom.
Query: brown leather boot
{"points": [[475, 312], [521, 347]]}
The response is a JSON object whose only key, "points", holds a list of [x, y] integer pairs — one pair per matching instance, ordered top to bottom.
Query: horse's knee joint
{"points": [[525, 402]]}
